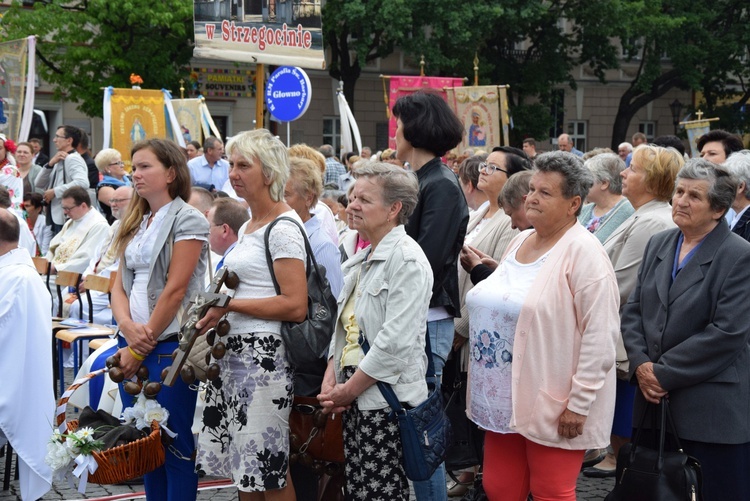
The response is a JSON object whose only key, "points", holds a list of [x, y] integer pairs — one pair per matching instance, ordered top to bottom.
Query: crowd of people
{"points": [[574, 290]]}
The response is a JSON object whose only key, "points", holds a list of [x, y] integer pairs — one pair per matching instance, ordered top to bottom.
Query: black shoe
{"points": [[592, 457], [594, 472]]}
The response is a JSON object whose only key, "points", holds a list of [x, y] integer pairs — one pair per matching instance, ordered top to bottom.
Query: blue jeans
{"points": [[441, 339], [176, 479]]}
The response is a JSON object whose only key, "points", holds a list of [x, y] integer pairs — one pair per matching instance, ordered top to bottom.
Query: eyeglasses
{"points": [[60, 137], [120, 163], [490, 169], [117, 200], [68, 209]]}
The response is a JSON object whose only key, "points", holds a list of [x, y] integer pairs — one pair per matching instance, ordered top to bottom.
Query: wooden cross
{"points": [[699, 114]]}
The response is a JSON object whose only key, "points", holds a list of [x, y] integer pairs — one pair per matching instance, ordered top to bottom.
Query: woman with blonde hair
{"points": [[110, 164], [162, 244], [245, 431]]}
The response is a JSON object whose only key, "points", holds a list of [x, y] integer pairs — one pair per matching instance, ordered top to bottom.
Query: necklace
{"points": [[267, 213]]}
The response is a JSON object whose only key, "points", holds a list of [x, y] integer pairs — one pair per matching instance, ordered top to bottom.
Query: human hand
{"points": [[60, 155], [49, 195], [469, 258], [485, 259], [210, 319], [140, 337], [128, 363], [649, 385], [338, 399], [570, 424]]}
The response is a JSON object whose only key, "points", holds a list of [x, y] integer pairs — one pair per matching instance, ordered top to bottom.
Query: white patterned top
{"points": [[248, 260], [494, 306]]}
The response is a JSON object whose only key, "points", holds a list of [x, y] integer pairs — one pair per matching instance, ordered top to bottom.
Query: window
{"points": [[557, 112], [648, 128], [332, 132], [577, 133]]}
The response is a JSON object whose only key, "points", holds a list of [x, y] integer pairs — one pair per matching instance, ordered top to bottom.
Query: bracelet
{"points": [[136, 355]]}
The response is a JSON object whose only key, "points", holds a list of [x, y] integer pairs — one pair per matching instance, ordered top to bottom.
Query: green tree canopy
{"points": [[84, 45]]}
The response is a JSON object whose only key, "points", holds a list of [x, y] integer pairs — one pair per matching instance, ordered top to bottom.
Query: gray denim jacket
{"points": [[181, 219], [393, 297]]}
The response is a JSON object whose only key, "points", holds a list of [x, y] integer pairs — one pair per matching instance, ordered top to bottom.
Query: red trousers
{"points": [[515, 466]]}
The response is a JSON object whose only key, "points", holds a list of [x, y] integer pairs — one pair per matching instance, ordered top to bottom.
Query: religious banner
{"points": [[278, 32], [17, 72], [405, 85], [478, 108], [132, 115], [194, 118], [695, 129]]}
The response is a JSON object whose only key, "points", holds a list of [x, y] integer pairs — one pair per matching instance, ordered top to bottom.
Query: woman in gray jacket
{"points": [[385, 298]]}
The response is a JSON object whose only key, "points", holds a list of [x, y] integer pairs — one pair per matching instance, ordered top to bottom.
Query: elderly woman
{"points": [[110, 164], [738, 164], [27, 169], [648, 184], [608, 208], [162, 246], [385, 298], [543, 328], [686, 334], [245, 432]]}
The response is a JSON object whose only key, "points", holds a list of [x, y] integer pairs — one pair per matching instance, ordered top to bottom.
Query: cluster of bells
{"points": [[187, 373]]}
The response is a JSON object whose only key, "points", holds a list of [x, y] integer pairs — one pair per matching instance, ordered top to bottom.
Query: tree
{"points": [[360, 31], [706, 44], [84, 45]]}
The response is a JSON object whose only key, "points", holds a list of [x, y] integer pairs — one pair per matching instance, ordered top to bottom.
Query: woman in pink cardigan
{"points": [[543, 328]]}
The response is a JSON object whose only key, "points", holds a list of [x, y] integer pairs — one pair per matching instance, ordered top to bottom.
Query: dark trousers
{"points": [[725, 467]]}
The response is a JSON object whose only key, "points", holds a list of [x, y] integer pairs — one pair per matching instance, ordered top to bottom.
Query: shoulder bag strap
{"points": [[311, 262], [385, 388]]}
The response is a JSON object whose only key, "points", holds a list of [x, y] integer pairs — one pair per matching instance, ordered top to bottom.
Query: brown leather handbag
{"points": [[315, 436]]}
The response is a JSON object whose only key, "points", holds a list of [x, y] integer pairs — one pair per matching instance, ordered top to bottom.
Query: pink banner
{"points": [[405, 85]]}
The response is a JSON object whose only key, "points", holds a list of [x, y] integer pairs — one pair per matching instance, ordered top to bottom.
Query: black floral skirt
{"points": [[245, 429]]}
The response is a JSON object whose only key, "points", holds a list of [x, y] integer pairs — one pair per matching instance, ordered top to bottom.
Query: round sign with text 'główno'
{"points": [[288, 93]]}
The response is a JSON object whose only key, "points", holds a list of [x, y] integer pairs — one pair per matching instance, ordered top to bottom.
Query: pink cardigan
{"points": [[564, 348]]}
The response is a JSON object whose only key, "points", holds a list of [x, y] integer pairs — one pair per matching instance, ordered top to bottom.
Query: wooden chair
{"points": [[67, 279], [99, 284], [76, 337]]}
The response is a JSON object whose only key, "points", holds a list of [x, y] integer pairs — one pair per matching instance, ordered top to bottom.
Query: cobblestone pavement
{"points": [[588, 490]]}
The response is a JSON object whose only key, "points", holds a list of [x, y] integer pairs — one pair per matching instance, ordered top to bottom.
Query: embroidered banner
{"points": [[13, 63], [405, 85], [478, 108], [188, 113], [136, 115]]}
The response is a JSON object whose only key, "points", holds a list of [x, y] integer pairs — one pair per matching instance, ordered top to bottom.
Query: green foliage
{"points": [[85, 45]]}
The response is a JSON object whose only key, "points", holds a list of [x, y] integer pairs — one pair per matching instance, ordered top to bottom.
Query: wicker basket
{"points": [[125, 462]]}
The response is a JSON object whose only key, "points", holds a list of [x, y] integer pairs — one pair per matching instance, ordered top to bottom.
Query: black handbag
{"points": [[307, 341], [425, 430], [465, 448], [656, 475]]}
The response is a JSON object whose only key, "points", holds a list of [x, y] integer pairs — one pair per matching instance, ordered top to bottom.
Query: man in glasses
{"points": [[64, 170], [72, 248]]}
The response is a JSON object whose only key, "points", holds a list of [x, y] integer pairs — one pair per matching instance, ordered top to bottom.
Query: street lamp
{"points": [[675, 107]]}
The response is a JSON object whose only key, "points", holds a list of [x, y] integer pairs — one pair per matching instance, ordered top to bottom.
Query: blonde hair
{"points": [[302, 150], [269, 151], [170, 156], [106, 157], [661, 166], [305, 178]]}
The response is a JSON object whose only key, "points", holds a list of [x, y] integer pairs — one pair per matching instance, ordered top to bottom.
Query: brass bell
{"points": [[232, 280], [222, 328], [211, 336], [219, 350], [174, 353], [208, 359], [112, 362], [142, 372], [212, 372], [164, 373], [187, 373], [116, 375], [152, 389], [293, 457], [318, 468]]}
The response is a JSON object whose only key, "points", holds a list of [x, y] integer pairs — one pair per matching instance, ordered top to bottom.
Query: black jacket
{"points": [[439, 227], [742, 228]]}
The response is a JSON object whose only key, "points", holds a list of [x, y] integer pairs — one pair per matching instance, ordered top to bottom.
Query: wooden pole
{"points": [[260, 94]]}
